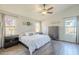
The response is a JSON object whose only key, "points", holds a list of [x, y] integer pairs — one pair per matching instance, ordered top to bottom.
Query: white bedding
{"points": [[35, 41]]}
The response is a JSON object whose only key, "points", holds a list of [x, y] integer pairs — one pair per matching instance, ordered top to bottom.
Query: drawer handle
{"points": [[11, 41]]}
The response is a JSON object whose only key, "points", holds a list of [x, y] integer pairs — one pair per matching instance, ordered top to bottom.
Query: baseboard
{"points": [[67, 41]]}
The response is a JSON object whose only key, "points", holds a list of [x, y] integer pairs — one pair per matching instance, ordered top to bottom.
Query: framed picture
{"points": [[27, 23]]}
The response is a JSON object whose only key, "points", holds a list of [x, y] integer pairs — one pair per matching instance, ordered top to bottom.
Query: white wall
{"points": [[22, 12], [58, 20], [20, 28], [24, 28]]}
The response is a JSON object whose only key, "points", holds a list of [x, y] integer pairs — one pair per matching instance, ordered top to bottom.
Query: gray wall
{"points": [[77, 29], [1, 31]]}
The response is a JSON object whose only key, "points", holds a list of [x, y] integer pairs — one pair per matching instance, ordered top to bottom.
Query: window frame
{"points": [[10, 26]]}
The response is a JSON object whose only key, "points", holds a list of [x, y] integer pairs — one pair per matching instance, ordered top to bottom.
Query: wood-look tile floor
{"points": [[51, 48]]}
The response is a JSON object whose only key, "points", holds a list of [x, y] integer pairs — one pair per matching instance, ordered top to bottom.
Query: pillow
{"points": [[39, 33], [28, 34]]}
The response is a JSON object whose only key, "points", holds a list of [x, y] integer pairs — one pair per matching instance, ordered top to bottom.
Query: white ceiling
{"points": [[32, 10]]}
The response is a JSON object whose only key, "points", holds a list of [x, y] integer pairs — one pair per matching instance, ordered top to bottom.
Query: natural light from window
{"points": [[10, 25], [37, 26], [70, 27]]}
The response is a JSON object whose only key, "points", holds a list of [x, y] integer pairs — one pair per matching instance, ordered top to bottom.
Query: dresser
{"points": [[53, 32], [11, 41]]}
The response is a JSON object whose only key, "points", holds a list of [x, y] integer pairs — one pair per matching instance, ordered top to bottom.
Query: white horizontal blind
{"points": [[10, 25], [37, 26], [70, 26]]}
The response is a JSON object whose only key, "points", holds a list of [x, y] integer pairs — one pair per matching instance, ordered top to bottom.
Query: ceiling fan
{"points": [[46, 10]]}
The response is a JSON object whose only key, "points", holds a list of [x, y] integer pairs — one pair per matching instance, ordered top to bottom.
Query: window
{"points": [[10, 25], [37, 26], [70, 27]]}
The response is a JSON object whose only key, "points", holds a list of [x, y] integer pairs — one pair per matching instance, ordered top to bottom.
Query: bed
{"points": [[34, 42]]}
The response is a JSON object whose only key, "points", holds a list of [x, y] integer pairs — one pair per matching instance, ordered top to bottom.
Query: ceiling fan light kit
{"points": [[45, 10]]}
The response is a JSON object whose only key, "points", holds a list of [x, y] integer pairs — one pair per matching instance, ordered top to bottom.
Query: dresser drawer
{"points": [[11, 41]]}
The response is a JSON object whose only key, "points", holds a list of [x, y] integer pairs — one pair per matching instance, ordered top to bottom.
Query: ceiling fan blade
{"points": [[44, 5], [49, 8], [50, 12]]}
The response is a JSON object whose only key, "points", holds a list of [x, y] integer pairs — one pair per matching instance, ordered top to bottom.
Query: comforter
{"points": [[35, 41]]}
